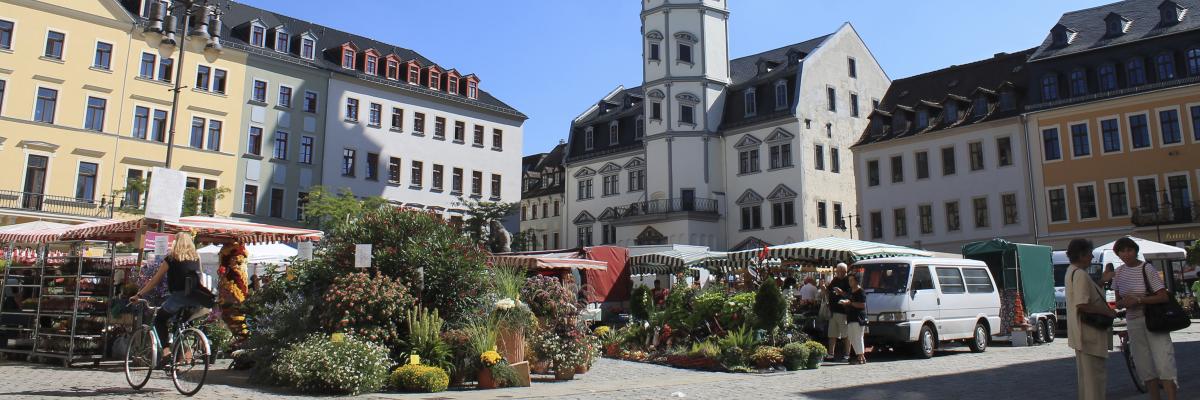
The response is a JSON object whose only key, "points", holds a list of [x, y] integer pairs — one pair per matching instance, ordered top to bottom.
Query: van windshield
{"points": [[885, 278]]}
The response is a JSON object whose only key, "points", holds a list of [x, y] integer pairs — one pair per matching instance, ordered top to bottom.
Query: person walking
{"points": [[1138, 283], [839, 288], [855, 304], [1091, 343]]}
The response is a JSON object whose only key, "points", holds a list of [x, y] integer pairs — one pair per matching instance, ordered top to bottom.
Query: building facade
{"points": [[712, 151], [942, 163], [542, 199]]}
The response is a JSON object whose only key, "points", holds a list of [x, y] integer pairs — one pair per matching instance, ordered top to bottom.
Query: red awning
{"points": [[206, 230], [543, 262]]}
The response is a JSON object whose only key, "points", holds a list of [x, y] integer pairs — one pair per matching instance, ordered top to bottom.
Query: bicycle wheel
{"points": [[140, 357], [190, 360], [1137, 382]]}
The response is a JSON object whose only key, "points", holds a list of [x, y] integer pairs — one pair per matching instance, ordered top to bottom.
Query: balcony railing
{"points": [[36, 202], [667, 206], [1167, 214]]}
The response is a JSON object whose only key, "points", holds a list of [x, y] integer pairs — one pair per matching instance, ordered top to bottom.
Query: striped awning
{"points": [[206, 229], [828, 251], [673, 261]]}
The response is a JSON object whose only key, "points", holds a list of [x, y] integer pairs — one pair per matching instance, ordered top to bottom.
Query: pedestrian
{"points": [[1138, 283], [839, 289], [808, 292], [855, 304], [1091, 343]]}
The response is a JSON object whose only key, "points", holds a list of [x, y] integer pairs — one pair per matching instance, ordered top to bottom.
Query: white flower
{"points": [[505, 304]]}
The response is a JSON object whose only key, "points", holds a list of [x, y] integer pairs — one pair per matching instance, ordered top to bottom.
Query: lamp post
{"points": [[164, 19], [857, 223]]}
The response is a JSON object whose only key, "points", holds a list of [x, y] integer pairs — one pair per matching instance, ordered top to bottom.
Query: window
{"points": [[6, 34], [258, 36], [282, 39], [54, 44], [307, 48], [654, 52], [685, 53], [103, 59], [347, 59], [372, 65], [1164, 65], [852, 67], [146, 68], [165, 69], [1135, 72], [414, 73], [203, 74], [1108, 77], [435, 79], [1078, 82], [219, 84], [452, 84], [3, 85], [1049, 87], [260, 91], [781, 95], [285, 96], [831, 97], [47, 102], [310, 102], [750, 102], [854, 104], [980, 108], [352, 110], [656, 111], [1195, 111], [950, 112], [687, 114], [375, 115], [94, 117], [397, 119], [922, 120], [141, 121], [1169, 122], [418, 123], [158, 126], [460, 129], [639, 129], [1139, 131], [478, 135], [1110, 135], [197, 138], [497, 139], [588, 139], [1080, 141], [254, 145], [281, 145], [1050, 146], [306, 149], [1004, 151], [975, 152], [781, 155], [819, 157], [348, 160], [748, 161], [835, 163], [949, 164], [922, 165], [372, 166], [897, 169], [394, 171], [438, 172], [873, 173], [417, 174], [456, 180], [637, 180], [85, 182], [477, 184], [495, 186], [610, 186], [584, 189], [1148, 194], [133, 197], [1118, 199], [250, 200], [1087, 201], [1008, 202], [276, 203], [301, 203], [1058, 205], [925, 212], [822, 216], [751, 217], [982, 217], [838, 222], [900, 222], [952, 222], [876, 225], [584, 233], [922, 280], [950, 280], [977, 280]]}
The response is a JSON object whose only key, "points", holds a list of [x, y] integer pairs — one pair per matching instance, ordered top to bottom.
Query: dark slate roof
{"points": [[237, 16], [1091, 33], [744, 69], [932, 89], [635, 93], [553, 159]]}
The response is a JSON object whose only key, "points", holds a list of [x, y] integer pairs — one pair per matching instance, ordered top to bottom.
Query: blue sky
{"points": [[552, 59]]}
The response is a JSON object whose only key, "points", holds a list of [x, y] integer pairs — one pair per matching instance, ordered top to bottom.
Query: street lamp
{"points": [[857, 223]]}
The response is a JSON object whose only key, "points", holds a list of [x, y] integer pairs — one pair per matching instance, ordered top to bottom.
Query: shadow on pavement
{"points": [[1042, 379], [105, 392]]}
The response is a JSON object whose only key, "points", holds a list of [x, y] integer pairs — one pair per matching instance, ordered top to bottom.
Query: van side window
{"points": [[922, 279], [951, 280], [978, 280]]}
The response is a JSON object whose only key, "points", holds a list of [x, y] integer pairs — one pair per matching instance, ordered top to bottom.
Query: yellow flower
{"points": [[602, 330], [337, 337], [489, 358]]}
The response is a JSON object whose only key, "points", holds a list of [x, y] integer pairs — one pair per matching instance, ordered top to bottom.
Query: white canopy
{"points": [[1147, 251], [274, 253]]}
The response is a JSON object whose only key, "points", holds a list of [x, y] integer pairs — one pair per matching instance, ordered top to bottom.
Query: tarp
{"points": [[828, 250], [676, 258], [573, 259], [1034, 263], [612, 284]]}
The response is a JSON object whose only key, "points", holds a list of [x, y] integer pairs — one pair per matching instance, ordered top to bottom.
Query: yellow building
{"points": [[85, 102]]}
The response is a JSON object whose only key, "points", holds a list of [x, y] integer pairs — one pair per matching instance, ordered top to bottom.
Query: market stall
{"points": [[825, 252]]}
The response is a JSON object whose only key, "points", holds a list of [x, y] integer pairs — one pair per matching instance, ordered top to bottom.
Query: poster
{"points": [[165, 200], [304, 250], [362, 256]]}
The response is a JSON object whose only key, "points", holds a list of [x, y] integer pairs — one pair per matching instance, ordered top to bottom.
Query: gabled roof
{"points": [[1090, 29], [745, 69]]}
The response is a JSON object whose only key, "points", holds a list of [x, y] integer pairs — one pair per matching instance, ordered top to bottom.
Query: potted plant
{"points": [[511, 317], [565, 349]]}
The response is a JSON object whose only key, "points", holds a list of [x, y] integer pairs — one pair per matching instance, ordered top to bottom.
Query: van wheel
{"points": [[1047, 330], [979, 340], [926, 343]]}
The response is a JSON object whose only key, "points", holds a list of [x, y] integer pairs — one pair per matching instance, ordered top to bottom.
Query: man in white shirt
{"points": [[808, 292]]}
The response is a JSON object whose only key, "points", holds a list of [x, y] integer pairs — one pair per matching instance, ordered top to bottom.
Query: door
{"points": [[35, 182], [687, 199], [1180, 199], [923, 298], [957, 314]]}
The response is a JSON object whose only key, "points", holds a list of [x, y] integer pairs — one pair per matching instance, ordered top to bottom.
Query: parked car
{"points": [[1025, 270], [1095, 271], [921, 303]]}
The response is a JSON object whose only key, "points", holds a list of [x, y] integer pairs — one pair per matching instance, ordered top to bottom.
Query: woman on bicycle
{"points": [[180, 264], [1137, 283], [1091, 344]]}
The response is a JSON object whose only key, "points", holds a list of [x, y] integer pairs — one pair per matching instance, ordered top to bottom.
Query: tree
{"points": [[324, 209], [483, 221], [525, 240], [1193, 253], [769, 306]]}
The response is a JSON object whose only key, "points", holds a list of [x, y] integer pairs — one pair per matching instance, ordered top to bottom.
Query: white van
{"points": [[921, 302]]}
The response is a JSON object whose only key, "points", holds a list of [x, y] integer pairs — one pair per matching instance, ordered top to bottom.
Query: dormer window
{"points": [[1170, 13], [1115, 25], [258, 35], [1062, 36], [282, 40], [308, 46], [347, 58], [1164, 64], [372, 66], [393, 68], [1135, 72], [414, 73], [1107, 75], [435, 78], [1078, 81], [452, 83], [472, 87], [1049, 87], [781, 95], [1008, 100], [751, 103], [980, 107], [950, 112], [922, 119], [639, 129], [614, 133], [588, 139]]}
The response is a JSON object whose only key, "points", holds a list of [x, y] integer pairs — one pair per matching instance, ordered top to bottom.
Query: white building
{"points": [[415, 133], [686, 159], [942, 163], [542, 199]]}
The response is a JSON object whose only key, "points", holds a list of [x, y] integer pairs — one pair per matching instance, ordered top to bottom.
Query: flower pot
{"points": [[511, 343], [540, 367], [582, 369], [564, 374], [485, 379]]}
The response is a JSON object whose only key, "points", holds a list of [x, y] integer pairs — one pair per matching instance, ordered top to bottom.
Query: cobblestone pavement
{"points": [[1002, 372]]}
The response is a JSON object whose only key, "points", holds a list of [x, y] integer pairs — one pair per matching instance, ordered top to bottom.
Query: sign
{"points": [[165, 200], [149, 240], [160, 246], [304, 250], [362, 256]]}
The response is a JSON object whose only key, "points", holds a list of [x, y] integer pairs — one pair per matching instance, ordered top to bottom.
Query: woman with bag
{"points": [[1137, 285], [1089, 321]]}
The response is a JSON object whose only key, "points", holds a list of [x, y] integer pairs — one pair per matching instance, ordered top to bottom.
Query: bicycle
{"points": [[1124, 341], [190, 351]]}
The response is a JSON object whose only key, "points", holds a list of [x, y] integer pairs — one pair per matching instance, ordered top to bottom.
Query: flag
{"points": [[762, 255]]}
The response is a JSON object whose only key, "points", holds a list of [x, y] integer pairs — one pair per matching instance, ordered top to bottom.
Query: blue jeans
{"points": [[176, 302]]}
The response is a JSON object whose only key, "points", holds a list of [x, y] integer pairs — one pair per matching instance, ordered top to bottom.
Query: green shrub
{"points": [[641, 304], [707, 306], [370, 307], [678, 307], [770, 307], [737, 311], [219, 337], [742, 338], [425, 339], [706, 349], [816, 351], [767, 356], [795, 356], [733, 357], [318, 364], [505, 375], [420, 378]]}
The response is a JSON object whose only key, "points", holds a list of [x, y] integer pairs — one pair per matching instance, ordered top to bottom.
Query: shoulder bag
{"points": [[824, 313], [1163, 317], [1098, 321]]}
